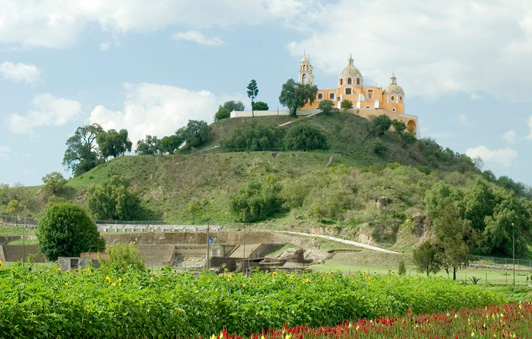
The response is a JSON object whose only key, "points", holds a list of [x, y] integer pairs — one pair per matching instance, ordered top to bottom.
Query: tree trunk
{"points": [[454, 273]]}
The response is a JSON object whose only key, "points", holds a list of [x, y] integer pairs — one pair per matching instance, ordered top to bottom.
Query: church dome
{"points": [[305, 60], [350, 70], [393, 87]]}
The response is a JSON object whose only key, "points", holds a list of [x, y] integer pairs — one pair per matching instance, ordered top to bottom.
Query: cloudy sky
{"points": [[151, 65]]}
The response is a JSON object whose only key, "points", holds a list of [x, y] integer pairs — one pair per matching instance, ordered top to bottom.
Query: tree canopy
{"points": [[253, 91], [295, 95], [346, 104], [260, 106], [326, 106], [224, 111], [195, 133], [305, 137], [113, 143], [149, 145], [82, 152], [54, 182], [112, 199], [66, 231]]}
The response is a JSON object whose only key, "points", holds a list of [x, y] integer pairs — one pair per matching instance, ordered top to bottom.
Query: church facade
{"points": [[367, 100]]}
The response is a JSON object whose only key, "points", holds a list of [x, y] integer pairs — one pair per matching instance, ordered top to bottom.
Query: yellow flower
{"points": [[1, 264], [59, 269], [274, 273], [229, 277], [151, 278], [108, 280], [119, 281], [66, 284], [113, 284]]}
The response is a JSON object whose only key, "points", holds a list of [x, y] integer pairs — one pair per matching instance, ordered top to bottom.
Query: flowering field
{"points": [[96, 303], [505, 321]]}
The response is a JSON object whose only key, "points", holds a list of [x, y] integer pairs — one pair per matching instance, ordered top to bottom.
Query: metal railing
{"points": [[498, 261]]}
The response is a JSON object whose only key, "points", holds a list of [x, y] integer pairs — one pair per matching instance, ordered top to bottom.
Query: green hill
{"points": [[367, 188]]}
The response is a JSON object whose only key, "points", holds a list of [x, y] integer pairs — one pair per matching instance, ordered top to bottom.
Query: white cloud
{"points": [[53, 23], [198, 37], [104, 46], [434, 47], [20, 72], [475, 96], [156, 110], [47, 111], [462, 119], [529, 123], [510, 137], [5, 153], [502, 157]]}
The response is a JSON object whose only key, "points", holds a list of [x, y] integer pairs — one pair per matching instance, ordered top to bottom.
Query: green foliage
{"points": [[253, 91], [295, 95], [346, 104], [260, 106], [326, 106], [224, 111], [379, 125], [398, 126], [195, 133], [254, 137], [305, 137], [113, 143], [171, 143], [150, 145], [379, 148], [82, 153], [54, 182], [517, 187], [4, 193], [112, 199], [257, 201], [479, 202], [14, 207], [66, 231], [454, 237], [123, 257], [426, 258], [402, 268], [99, 304]]}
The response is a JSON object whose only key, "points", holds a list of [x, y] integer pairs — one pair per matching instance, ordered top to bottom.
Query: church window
{"points": [[349, 81], [358, 81], [341, 82], [348, 91], [370, 94], [320, 96], [331, 96], [392, 98], [400, 99], [367, 106], [393, 109]]}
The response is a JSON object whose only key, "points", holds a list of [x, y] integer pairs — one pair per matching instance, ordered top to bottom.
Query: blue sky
{"points": [[151, 65]]}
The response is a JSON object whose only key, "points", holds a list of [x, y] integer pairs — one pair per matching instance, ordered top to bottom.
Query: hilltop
{"points": [[371, 189]]}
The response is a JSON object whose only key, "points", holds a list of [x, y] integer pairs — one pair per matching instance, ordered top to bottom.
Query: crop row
{"points": [[95, 303], [504, 321]]}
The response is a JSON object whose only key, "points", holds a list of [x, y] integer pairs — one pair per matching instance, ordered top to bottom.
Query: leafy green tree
{"points": [[253, 91], [295, 96], [346, 104], [260, 106], [326, 106], [224, 111], [379, 125], [398, 126], [195, 134], [254, 137], [305, 137], [113, 143], [171, 143], [150, 145], [379, 148], [82, 152], [54, 182], [508, 183], [4, 193], [437, 194], [112, 199], [257, 201], [479, 203], [14, 207], [510, 220], [66, 231], [454, 237], [123, 257], [426, 259], [402, 268]]}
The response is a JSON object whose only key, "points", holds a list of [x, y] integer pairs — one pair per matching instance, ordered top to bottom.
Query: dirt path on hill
{"points": [[343, 241]]}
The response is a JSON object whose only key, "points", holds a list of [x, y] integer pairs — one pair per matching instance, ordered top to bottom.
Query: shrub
{"points": [[346, 104], [260, 106], [326, 106], [254, 137], [305, 137], [54, 182], [112, 199], [256, 201], [66, 231], [122, 257], [402, 268]]}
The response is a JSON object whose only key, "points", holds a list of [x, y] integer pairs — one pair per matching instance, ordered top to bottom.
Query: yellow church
{"points": [[367, 100]]}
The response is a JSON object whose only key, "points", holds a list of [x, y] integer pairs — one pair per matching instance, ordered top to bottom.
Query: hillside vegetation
{"points": [[365, 187]]}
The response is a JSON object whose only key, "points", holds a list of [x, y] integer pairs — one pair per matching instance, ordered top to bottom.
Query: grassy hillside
{"points": [[349, 188]]}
